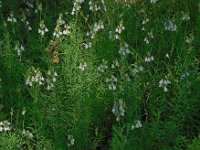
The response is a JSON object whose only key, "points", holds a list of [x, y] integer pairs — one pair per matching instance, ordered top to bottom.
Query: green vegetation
{"points": [[99, 74]]}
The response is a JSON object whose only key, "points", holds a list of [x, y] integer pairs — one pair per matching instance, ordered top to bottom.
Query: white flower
{"points": [[153, 1], [77, 6], [185, 17], [11, 18], [145, 21], [170, 26], [42, 28], [87, 45], [19, 49], [124, 50], [167, 55], [149, 59], [115, 64], [82, 66], [103, 67], [137, 69], [184, 75], [35, 77], [164, 83], [112, 87], [118, 109], [136, 125], [4, 126], [71, 141]]}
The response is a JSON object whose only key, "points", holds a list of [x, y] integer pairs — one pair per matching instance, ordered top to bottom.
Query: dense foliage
{"points": [[99, 74]]}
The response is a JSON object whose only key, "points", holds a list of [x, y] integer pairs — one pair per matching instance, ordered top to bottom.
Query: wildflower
{"points": [[153, 1], [0, 4], [30, 5], [76, 6], [93, 6], [185, 17], [11, 18], [145, 21], [27, 24], [170, 26], [61, 27], [95, 28], [42, 29], [119, 30], [189, 39], [146, 40], [87, 45], [19, 49], [124, 50], [167, 55], [149, 59], [115, 64], [82, 66], [103, 66], [137, 69], [184, 75], [35, 77], [127, 77], [51, 78], [112, 83], [164, 83], [112, 87], [118, 109], [23, 111], [136, 125], [4, 126], [27, 133], [71, 140]]}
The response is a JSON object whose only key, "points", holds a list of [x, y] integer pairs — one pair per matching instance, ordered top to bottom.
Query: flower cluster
{"points": [[153, 1], [29, 4], [77, 6], [93, 6], [185, 17], [11, 18], [144, 22], [27, 23], [170, 26], [61, 27], [96, 27], [120, 28], [42, 29], [148, 37], [189, 39], [87, 45], [19, 49], [124, 50], [149, 59], [115, 64], [82, 66], [103, 66], [136, 69], [184, 75], [35, 77], [51, 79], [112, 81], [164, 83], [118, 109], [136, 125], [4, 126], [27, 134], [70, 141]]}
